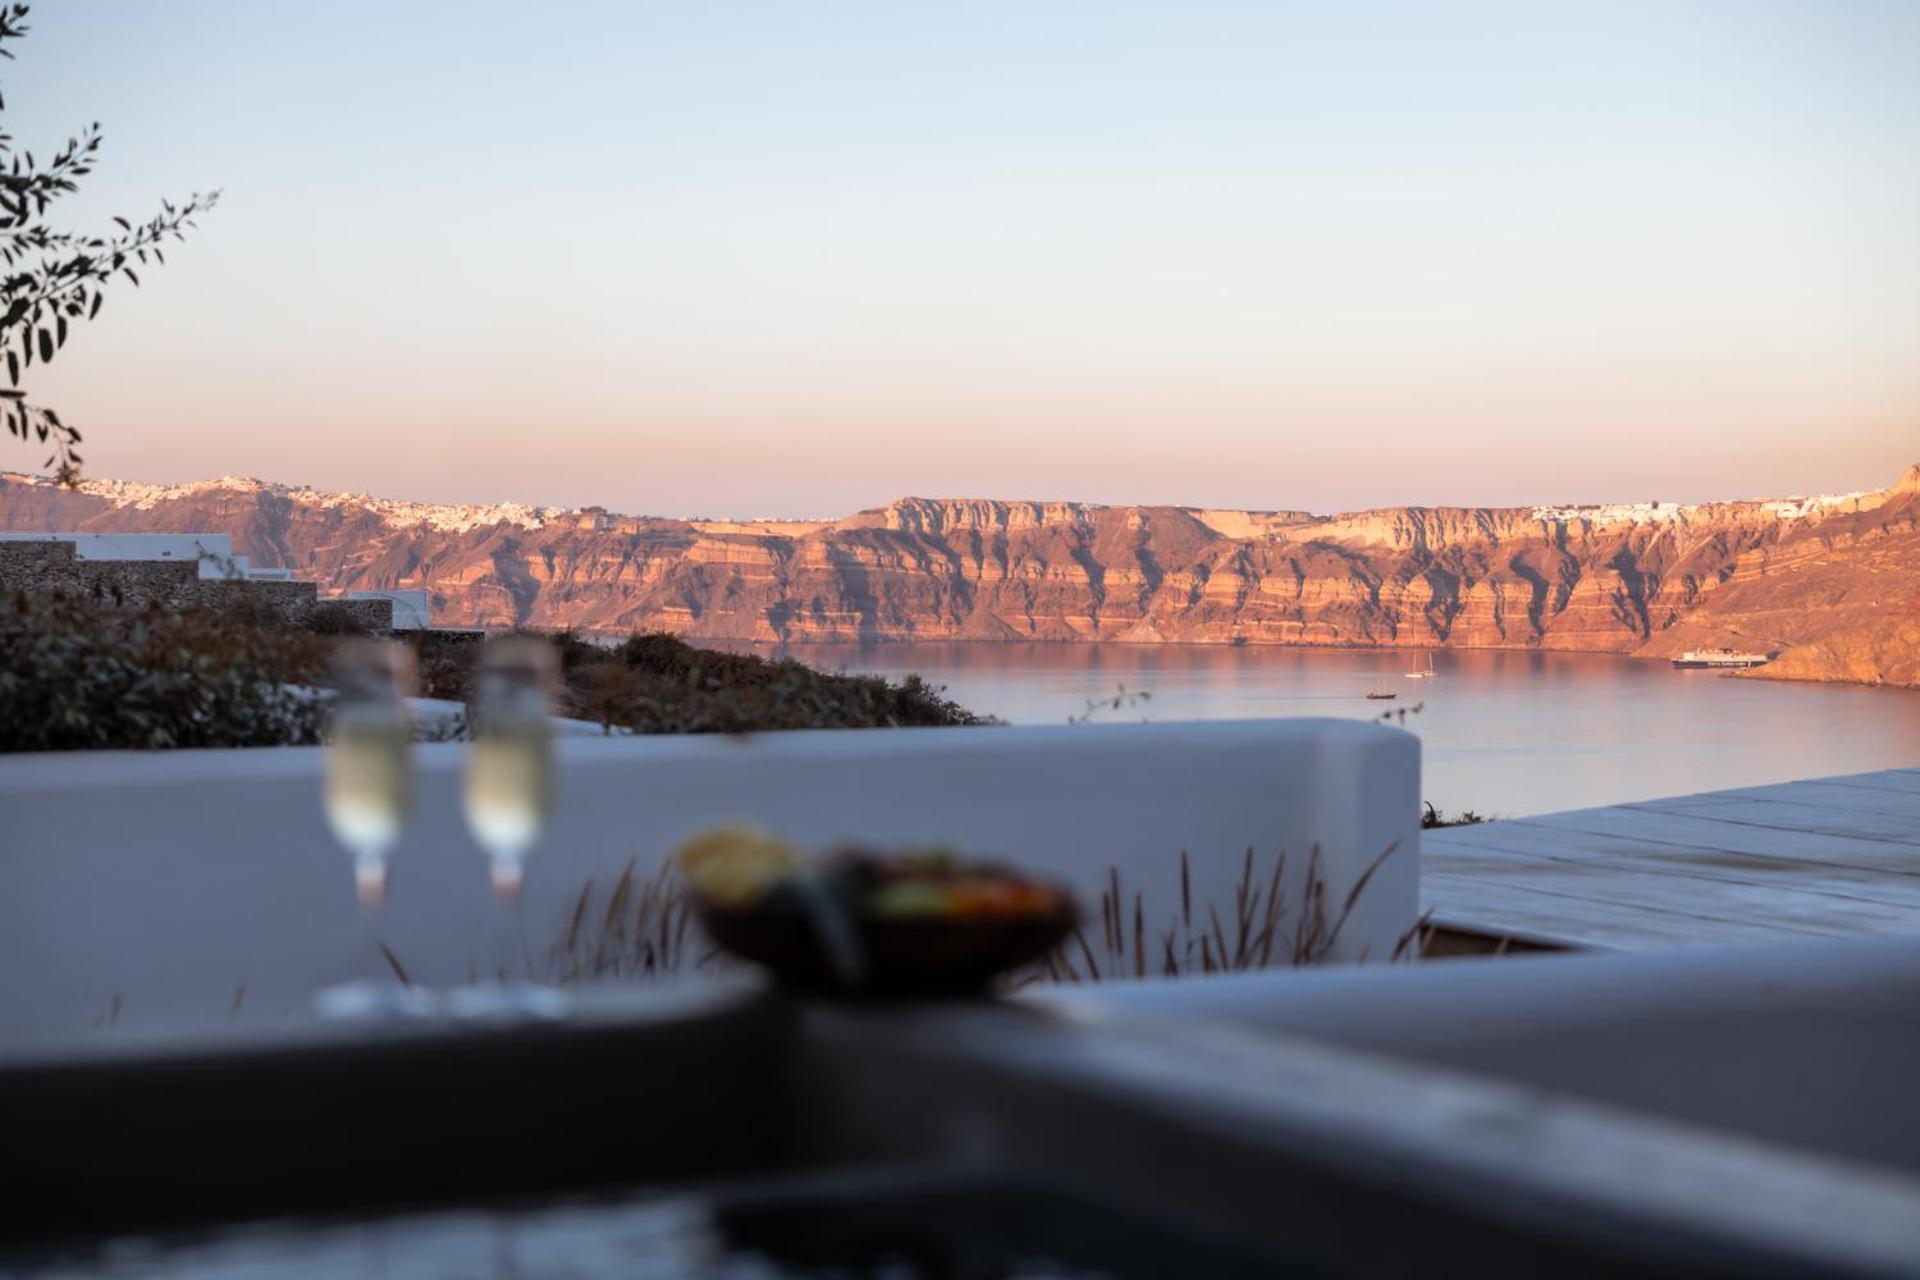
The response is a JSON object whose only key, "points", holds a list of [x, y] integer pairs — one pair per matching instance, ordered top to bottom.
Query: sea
{"points": [[1503, 733]]}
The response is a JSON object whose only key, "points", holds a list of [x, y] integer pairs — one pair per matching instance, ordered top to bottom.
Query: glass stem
{"points": [[370, 886], [513, 925], [380, 970]]}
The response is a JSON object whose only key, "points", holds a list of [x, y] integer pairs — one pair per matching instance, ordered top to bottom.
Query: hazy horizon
{"points": [[769, 261]]}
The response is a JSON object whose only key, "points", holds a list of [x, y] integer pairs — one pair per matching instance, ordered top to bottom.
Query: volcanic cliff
{"points": [[1832, 582]]}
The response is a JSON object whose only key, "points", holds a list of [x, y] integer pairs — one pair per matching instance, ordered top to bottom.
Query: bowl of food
{"points": [[907, 921]]}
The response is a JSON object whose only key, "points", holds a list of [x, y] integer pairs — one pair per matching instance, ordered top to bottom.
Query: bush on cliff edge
{"points": [[88, 675], [80, 676], [657, 683]]}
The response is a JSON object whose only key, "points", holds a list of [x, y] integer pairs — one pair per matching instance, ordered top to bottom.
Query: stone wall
{"points": [[50, 567], [374, 615]]}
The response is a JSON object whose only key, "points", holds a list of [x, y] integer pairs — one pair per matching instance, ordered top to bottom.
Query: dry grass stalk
{"points": [[640, 929], [1255, 940], [393, 962]]}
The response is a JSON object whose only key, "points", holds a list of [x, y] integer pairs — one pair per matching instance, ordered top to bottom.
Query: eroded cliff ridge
{"points": [[1833, 582]]}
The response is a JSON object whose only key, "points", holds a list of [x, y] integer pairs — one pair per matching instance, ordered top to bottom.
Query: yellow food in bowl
{"points": [[734, 865], [911, 898]]}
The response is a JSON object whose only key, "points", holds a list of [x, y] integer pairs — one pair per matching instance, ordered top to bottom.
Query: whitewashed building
{"points": [[213, 552], [215, 560]]}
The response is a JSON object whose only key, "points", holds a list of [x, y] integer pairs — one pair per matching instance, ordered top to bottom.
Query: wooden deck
{"points": [[1828, 857]]}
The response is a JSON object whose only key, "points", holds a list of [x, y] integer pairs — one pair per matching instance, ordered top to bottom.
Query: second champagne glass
{"points": [[510, 776]]}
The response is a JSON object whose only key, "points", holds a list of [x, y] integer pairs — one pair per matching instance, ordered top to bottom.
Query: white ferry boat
{"points": [[1721, 658]]}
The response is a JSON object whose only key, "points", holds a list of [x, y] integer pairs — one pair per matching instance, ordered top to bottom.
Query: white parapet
{"points": [[163, 883]]}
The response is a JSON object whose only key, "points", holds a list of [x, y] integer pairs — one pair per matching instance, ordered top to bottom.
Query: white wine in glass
{"points": [[369, 778], [510, 782], [509, 794]]}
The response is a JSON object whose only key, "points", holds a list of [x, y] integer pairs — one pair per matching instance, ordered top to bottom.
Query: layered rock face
{"points": [[1832, 581]]}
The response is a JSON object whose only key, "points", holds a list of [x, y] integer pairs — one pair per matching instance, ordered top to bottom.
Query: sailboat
{"points": [[1427, 674]]}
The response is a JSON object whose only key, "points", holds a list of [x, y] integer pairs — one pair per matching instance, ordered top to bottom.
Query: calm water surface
{"points": [[1503, 732]]}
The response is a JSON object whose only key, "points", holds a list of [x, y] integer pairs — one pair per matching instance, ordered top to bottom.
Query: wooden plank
{"points": [[1869, 776], [1899, 780], [1812, 791], [1847, 799], [1793, 815], [1676, 830], [1523, 848], [1825, 857], [1895, 868], [1730, 899], [1553, 915], [1577, 920]]}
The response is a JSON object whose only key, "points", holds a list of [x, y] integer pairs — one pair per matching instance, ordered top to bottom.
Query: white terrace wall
{"points": [[160, 884], [1808, 1043]]}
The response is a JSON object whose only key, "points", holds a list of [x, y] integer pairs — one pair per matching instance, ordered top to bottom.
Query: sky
{"points": [[785, 259]]}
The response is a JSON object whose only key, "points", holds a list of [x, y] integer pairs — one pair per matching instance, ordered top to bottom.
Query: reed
{"points": [[640, 927], [643, 927], [1249, 937], [393, 963]]}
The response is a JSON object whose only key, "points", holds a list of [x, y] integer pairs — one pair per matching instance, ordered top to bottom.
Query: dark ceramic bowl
{"points": [[904, 955]]}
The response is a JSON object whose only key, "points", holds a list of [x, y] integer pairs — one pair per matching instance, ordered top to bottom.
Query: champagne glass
{"points": [[510, 779], [368, 791]]}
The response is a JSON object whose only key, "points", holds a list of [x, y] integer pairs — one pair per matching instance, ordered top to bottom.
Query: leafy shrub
{"points": [[54, 276], [81, 675], [91, 675], [656, 683], [1431, 817]]}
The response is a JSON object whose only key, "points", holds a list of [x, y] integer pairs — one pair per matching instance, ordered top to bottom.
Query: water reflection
{"points": [[1507, 732]]}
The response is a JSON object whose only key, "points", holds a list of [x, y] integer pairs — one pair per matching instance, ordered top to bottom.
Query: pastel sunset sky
{"points": [[783, 258]]}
